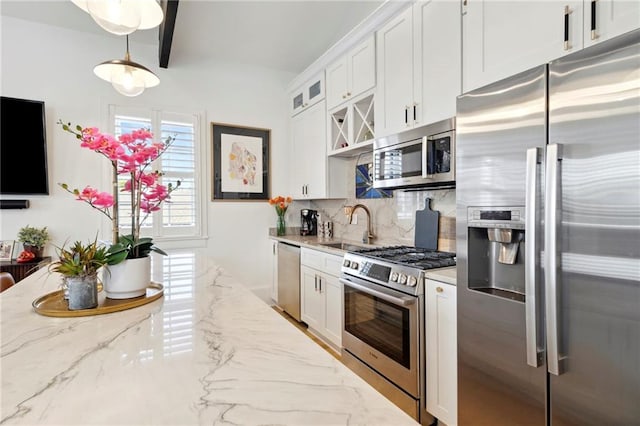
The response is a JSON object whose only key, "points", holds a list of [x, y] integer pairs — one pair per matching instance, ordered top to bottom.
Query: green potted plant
{"points": [[33, 239], [79, 265]]}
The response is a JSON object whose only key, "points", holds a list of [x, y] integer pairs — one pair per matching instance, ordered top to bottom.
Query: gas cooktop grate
{"points": [[411, 256]]}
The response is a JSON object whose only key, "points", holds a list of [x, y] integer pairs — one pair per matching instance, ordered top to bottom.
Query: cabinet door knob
{"points": [[348, 93], [439, 289]]}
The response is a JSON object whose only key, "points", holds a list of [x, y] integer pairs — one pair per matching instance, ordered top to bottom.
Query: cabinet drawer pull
{"points": [[567, 12], [594, 34], [414, 112], [406, 115], [439, 289]]}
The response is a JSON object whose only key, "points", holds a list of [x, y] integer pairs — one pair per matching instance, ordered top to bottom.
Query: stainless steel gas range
{"points": [[383, 333]]}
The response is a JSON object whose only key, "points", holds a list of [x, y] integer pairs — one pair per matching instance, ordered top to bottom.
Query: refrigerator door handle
{"points": [[554, 152], [532, 318]]}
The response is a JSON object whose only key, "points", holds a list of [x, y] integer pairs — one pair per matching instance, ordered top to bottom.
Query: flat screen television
{"points": [[23, 147]]}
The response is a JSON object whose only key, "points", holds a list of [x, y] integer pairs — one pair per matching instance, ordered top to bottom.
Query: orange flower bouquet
{"points": [[281, 204]]}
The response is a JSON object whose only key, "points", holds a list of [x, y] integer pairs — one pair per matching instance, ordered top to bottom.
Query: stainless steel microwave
{"points": [[423, 157]]}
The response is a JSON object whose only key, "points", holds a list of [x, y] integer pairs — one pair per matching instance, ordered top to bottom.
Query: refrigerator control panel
{"points": [[496, 217]]}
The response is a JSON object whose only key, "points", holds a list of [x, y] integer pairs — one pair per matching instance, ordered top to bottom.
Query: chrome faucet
{"points": [[368, 234]]}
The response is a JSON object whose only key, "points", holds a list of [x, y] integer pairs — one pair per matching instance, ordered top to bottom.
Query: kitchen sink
{"points": [[343, 246]]}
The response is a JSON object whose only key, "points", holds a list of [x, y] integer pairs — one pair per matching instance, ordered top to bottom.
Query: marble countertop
{"points": [[312, 241], [445, 275], [208, 352]]}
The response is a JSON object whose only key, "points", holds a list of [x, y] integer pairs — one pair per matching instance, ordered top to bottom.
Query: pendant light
{"points": [[123, 16], [127, 77]]}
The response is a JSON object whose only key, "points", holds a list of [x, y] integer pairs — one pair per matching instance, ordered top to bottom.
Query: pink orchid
{"points": [[130, 154], [92, 196], [146, 207]]}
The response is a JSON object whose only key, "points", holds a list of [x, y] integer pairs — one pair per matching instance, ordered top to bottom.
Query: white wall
{"points": [[56, 65]]}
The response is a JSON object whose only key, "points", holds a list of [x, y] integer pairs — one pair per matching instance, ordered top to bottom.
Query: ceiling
{"points": [[282, 35]]}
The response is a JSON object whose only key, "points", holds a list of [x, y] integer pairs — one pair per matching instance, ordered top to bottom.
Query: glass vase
{"points": [[280, 226]]}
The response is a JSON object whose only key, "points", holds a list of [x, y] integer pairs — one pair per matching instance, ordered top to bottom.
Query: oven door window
{"points": [[439, 156], [399, 163], [380, 324]]}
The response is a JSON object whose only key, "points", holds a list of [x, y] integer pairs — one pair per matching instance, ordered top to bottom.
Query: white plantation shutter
{"points": [[127, 124], [179, 163], [180, 216]]}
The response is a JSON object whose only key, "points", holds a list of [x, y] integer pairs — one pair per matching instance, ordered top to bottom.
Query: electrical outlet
{"points": [[354, 219]]}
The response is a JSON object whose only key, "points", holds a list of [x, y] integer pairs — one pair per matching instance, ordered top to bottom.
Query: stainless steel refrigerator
{"points": [[548, 243]]}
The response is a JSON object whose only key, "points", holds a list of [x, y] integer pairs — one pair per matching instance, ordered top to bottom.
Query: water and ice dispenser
{"points": [[496, 251]]}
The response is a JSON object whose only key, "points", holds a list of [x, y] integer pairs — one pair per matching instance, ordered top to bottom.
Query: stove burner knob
{"points": [[346, 263], [354, 265], [394, 276], [403, 279], [412, 281]]}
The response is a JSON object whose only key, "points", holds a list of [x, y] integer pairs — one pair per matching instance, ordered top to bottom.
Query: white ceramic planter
{"points": [[127, 279]]}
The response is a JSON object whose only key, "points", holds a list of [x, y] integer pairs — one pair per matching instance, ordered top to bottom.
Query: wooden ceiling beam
{"points": [[170, 10]]}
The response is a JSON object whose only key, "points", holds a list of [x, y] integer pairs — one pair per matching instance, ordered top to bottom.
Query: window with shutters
{"points": [[181, 215]]}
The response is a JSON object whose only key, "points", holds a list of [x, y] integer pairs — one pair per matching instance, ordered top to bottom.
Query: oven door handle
{"points": [[400, 301]]}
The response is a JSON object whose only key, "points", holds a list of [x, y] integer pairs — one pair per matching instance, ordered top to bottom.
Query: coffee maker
{"points": [[308, 222]]}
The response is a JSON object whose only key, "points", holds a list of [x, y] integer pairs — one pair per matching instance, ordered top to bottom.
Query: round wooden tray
{"points": [[54, 304]]}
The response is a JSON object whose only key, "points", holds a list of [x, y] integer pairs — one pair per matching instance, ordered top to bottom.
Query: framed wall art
{"points": [[240, 163], [6, 249]]}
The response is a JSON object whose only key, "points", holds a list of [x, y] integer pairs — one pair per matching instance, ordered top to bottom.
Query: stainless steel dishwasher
{"points": [[289, 279]]}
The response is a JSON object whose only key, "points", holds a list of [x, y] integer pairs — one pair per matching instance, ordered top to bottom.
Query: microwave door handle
{"points": [[425, 148]]}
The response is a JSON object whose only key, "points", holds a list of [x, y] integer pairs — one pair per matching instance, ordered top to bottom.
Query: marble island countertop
{"points": [[208, 352]]}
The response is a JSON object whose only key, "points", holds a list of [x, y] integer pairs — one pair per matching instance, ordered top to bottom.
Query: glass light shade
{"points": [[105, 12], [119, 17], [127, 77], [128, 82]]}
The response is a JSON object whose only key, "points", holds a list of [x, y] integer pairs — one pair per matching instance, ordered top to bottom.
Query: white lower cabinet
{"points": [[321, 295], [332, 309], [441, 351]]}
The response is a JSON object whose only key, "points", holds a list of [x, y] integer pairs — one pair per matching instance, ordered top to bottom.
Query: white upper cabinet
{"points": [[605, 19], [502, 38], [394, 59], [437, 59], [418, 66], [352, 74], [307, 95], [308, 137], [313, 174]]}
